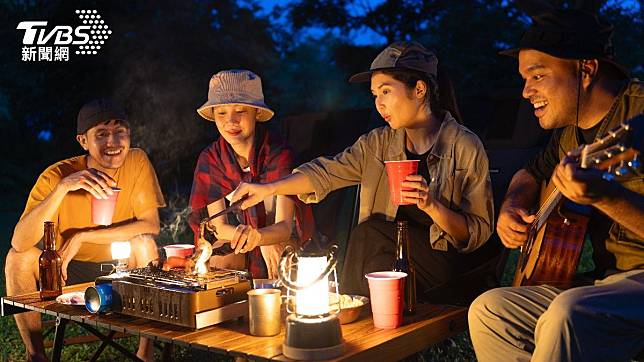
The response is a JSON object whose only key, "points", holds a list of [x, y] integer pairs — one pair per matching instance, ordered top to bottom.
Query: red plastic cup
{"points": [[397, 171], [103, 209], [386, 291]]}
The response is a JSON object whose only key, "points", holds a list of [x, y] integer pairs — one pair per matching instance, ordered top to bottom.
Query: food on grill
{"points": [[179, 262]]}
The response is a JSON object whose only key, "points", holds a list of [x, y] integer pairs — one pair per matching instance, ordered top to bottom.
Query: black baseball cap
{"points": [[568, 34], [401, 55], [98, 111]]}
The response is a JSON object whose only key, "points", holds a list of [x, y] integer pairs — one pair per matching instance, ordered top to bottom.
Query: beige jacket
{"points": [[458, 166]]}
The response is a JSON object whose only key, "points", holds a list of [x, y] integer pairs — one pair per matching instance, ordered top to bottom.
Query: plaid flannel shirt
{"points": [[218, 173]]}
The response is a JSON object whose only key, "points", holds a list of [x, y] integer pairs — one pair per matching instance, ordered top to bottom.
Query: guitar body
{"points": [[552, 252]]}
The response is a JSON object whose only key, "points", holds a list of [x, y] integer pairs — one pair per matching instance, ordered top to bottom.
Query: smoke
{"points": [[163, 111], [165, 125], [174, 222]]}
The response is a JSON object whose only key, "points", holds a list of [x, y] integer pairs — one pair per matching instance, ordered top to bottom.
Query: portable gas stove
{"points": [[181, 298]]}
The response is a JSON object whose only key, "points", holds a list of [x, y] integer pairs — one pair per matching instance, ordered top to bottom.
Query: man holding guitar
{"points": [[577, 89]]}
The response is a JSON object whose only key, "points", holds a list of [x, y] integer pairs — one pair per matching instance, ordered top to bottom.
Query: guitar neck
{"points": [[546, 208]]}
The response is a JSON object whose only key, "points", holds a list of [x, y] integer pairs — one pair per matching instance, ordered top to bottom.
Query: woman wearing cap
{"points": [[245, 151], [451, 211]]}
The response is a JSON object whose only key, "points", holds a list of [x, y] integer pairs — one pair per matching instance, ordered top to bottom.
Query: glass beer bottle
{"points": [[50, 263], [404, 264]]}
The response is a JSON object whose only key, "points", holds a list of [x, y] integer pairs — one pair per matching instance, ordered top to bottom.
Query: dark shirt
{"points": [[543, 164], [412, 213]]}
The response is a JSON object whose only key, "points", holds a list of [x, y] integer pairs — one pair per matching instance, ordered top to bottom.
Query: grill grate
{"points": [[179, 278]]}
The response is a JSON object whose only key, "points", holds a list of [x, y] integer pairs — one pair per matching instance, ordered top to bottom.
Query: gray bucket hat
{"points": [[401, 55], [235, 87]]}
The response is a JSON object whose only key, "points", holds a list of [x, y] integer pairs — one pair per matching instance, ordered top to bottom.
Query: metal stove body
{"points": [[181, 298]]}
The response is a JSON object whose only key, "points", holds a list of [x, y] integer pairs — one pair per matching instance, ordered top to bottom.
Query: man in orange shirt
{"points": [[63, 195]]}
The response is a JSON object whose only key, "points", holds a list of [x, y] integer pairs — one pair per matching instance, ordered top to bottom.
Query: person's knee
{"points": [[146, 242], [144, 249], [18, 263], [21, 270], [487, 303], [563, 309], [484, 314]]}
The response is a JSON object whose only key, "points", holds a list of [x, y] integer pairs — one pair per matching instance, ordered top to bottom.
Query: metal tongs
{"points": [[235, 207], [225, 249]]}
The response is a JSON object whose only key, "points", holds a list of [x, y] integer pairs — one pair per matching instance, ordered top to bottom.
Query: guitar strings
{"points": [[548, 204], [545, 206]]}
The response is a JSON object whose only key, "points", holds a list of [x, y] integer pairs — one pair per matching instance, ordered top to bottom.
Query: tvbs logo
{"points": [[36, 33], [41, 42]]}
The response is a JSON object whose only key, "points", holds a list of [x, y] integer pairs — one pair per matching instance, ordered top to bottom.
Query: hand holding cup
{"points": [[397, 172], [94, 181], [416, 191]]}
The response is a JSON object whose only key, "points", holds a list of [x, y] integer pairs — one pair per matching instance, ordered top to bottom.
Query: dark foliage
{"points": [[161, 55]]}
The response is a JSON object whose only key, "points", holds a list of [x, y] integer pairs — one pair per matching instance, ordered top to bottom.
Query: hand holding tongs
{"points": [[234, 207]]}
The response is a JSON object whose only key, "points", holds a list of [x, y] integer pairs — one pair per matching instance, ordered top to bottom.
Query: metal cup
{"points": [[98, 299], [264, 312]]}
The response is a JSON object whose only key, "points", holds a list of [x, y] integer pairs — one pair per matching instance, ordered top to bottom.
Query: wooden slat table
{"points": [[363, 342]]}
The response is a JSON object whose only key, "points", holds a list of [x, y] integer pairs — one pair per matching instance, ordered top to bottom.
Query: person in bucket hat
{"points": [[235, 87], [579, 89], [245, 151], [63, 194], [449, 206]]}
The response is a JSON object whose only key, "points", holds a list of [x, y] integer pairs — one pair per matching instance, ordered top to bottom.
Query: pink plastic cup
{"points": [[397, 171], [103, 209], [179, 250], [386, 290]]}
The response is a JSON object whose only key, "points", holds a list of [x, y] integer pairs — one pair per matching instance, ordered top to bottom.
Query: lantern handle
{"points": [[288, 255]]}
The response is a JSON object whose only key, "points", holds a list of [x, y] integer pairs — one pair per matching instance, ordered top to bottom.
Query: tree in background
{"points": [[466, 35], [161, 55], [157, 62]]}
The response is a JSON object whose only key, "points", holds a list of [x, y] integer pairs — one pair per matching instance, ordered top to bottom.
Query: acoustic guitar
{"points": [[556, 236]]}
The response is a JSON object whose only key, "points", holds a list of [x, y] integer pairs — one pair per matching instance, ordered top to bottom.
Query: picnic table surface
{"points": [[363, 342]]}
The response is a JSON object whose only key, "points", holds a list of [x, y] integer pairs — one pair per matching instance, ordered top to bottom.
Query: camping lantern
{"points": [[312, 327]]}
